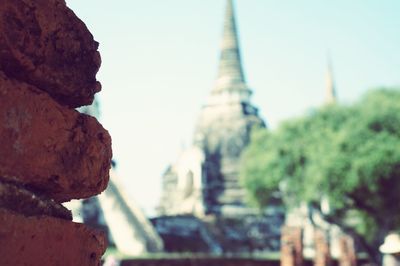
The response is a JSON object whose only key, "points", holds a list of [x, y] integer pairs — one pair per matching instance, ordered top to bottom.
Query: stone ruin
{"points": [[50, 153], [205, 178], [204, 182], [292, 248]]}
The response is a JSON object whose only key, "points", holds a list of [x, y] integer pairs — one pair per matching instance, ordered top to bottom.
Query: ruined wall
{"points": [[50, 153]]}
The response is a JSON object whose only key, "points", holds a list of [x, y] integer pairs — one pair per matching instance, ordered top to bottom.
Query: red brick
{"points": [[43, 43], [48, 147], [39, 241]]}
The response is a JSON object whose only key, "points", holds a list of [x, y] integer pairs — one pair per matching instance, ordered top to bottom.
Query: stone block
{"points": [[43, 43], [49, 148], [42, 240]]}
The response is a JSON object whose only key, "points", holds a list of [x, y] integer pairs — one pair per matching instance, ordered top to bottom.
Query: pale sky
{"points": [[160, 58]]}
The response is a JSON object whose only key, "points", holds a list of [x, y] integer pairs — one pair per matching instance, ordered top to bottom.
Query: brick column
{"points": [[291, 246], [322, 248], [347, 251]]}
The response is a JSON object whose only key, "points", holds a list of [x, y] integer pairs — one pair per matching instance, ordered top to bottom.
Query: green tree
{"points": [[349, 155]]}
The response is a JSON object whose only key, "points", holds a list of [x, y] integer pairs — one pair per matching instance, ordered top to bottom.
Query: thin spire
{"points": [[230, 74], [331, 96]]}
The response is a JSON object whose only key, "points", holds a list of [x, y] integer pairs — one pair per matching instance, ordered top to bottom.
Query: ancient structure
{"points": [[50, 153], [205, 179], [203, 186], [292, 246], [323, 256]]}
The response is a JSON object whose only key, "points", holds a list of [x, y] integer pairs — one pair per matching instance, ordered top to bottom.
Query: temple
{"points": [[205, 178]]}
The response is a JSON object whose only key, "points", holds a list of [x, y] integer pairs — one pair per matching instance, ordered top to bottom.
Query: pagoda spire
{"points": [[230, 73], [331, 96]]}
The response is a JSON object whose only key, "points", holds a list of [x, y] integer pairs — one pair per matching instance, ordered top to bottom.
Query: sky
{"points": [[160, 59]]}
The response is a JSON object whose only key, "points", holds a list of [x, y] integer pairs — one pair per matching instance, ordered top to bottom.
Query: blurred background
{"points": [[160, 60], [160, 64]]}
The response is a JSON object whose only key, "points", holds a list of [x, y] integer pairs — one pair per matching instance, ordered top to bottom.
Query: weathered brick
{"points": [[43, 43], [49, 148], [41, 240]]}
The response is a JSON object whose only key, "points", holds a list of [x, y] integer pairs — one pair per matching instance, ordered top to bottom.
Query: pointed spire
{"points": [[230, 75], [331, 96]]}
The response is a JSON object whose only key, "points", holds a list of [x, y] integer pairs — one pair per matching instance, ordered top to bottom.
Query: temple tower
{"points": [[331, 96], [205, 179]]}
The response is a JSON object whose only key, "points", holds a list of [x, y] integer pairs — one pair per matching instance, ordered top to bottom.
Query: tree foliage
{"points": [[349, 155]]}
